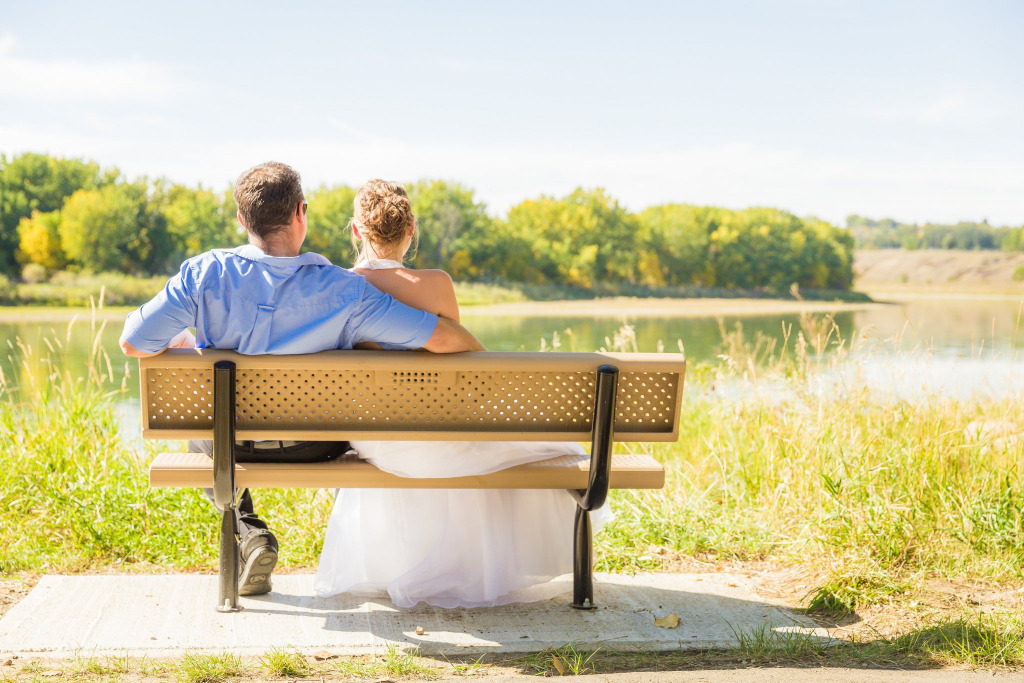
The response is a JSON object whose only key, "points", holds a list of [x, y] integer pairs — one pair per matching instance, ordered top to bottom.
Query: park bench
{"points": [[407, 396]]}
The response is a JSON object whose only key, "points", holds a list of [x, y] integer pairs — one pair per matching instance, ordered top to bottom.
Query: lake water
{"points": [[958, 345]]}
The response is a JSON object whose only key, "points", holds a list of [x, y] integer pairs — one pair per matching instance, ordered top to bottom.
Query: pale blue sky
{"points": [[903, 109]]}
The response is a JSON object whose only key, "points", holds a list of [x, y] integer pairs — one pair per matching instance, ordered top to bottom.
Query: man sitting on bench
{"points": [[266, 297]]}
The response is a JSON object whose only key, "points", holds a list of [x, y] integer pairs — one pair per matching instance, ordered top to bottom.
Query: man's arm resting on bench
{"points": [[448, 337], [182, 340]]}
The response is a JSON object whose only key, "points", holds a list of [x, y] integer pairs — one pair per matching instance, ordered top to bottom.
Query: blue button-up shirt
{"points": [[245, 300]]}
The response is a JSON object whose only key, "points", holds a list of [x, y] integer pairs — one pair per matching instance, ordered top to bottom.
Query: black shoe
{"points": [[258, 554]]}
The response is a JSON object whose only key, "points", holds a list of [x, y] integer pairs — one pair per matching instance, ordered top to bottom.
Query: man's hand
{"points": [[451, 337]]}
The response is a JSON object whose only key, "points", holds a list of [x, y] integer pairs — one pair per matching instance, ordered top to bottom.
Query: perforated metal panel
{"points": [[179, 398], [360, 398]]}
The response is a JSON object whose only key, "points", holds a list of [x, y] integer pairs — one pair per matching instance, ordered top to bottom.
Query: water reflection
{"points": [[944, 326], [36, 349]]}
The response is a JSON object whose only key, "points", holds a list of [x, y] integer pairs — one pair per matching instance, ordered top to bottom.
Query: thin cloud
{"points": [[56, 80], [953, 108]]}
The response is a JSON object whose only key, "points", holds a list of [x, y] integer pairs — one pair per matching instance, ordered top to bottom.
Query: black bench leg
{"points": [[224, 482], [597, 487], [583, 564], [227, 598]]}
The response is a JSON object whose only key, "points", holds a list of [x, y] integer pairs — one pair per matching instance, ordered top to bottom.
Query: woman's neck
{"points": [[381, 255]]}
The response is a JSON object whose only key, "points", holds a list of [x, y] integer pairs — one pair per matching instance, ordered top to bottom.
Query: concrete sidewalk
{"points": [[167, 615]]}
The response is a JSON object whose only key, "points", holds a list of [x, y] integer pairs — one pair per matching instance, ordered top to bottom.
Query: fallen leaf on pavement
{"points": [[669, 621], [558, 665]]}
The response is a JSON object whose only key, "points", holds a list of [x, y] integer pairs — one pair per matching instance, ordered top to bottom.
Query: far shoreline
{"points": [[632, 307]]}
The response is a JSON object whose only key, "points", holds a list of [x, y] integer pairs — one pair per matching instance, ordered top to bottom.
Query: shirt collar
{"points": [[254, 253]]}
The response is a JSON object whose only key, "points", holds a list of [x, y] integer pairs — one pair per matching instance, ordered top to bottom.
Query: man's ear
{"points": [[240, 221]]}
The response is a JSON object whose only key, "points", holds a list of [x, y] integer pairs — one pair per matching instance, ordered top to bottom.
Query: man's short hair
{"points": [[268, 196]]}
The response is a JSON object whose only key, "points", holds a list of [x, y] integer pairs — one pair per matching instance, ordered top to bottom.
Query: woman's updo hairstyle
{"points": [[383, 214]]}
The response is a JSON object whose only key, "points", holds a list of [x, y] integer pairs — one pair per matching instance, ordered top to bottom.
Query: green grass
{"points": [[79, 289], [479, 294], [864, 488], [842, 592], [978, 641], [764, 642], [567, 660], [394, 662], [284, 663], [469, 667], [213, 668]]}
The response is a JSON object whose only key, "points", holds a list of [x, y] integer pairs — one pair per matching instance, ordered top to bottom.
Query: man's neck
{"points": [[274, 247]]}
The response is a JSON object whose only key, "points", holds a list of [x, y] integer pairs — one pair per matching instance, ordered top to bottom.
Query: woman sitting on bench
{"points": [[449, 548]]}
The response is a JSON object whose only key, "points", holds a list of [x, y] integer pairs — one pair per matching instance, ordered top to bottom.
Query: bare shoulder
{"points": [[398, 276], [436, 277], [428, 290]]}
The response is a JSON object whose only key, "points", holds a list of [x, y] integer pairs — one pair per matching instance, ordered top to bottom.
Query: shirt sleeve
{"points": [[379, 318], [152, 327]]}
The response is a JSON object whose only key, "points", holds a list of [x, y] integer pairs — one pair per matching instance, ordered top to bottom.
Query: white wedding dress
{"points": [[450, 548]]}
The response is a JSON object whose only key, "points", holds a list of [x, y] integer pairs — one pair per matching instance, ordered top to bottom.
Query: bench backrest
{"points": [[413, 395]]}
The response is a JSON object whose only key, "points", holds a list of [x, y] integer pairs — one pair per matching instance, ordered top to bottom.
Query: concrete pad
{"points": [[166, 615]]}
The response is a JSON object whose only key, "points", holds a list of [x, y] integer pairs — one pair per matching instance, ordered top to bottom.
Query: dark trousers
{"points": [[269, 451]]}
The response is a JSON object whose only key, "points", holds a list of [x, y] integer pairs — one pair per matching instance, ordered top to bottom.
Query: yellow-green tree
{"points": [[38, 182], [197, 220], [450, 223], [114, 228], [328, 232], [677, 236], [584, 239], [39, 240]]}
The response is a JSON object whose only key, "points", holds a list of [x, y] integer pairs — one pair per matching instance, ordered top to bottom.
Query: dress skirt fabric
{"points": [[450, 548]]}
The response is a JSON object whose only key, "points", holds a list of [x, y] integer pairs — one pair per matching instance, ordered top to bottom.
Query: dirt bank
{"points": [[939, 269]]}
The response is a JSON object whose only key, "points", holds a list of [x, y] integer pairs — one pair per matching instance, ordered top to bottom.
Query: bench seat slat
{"points": [[632, 471]]}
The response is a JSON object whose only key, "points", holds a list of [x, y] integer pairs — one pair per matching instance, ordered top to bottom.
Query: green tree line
{"points": [[70, 214], [889, 234]]}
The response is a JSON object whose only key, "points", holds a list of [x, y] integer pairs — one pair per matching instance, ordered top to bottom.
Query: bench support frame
{"points": [[224, 483], [597, 487], [595, 495]]}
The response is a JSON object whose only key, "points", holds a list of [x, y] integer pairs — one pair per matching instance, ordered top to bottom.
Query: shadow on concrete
{"points": [[720, 616]]}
